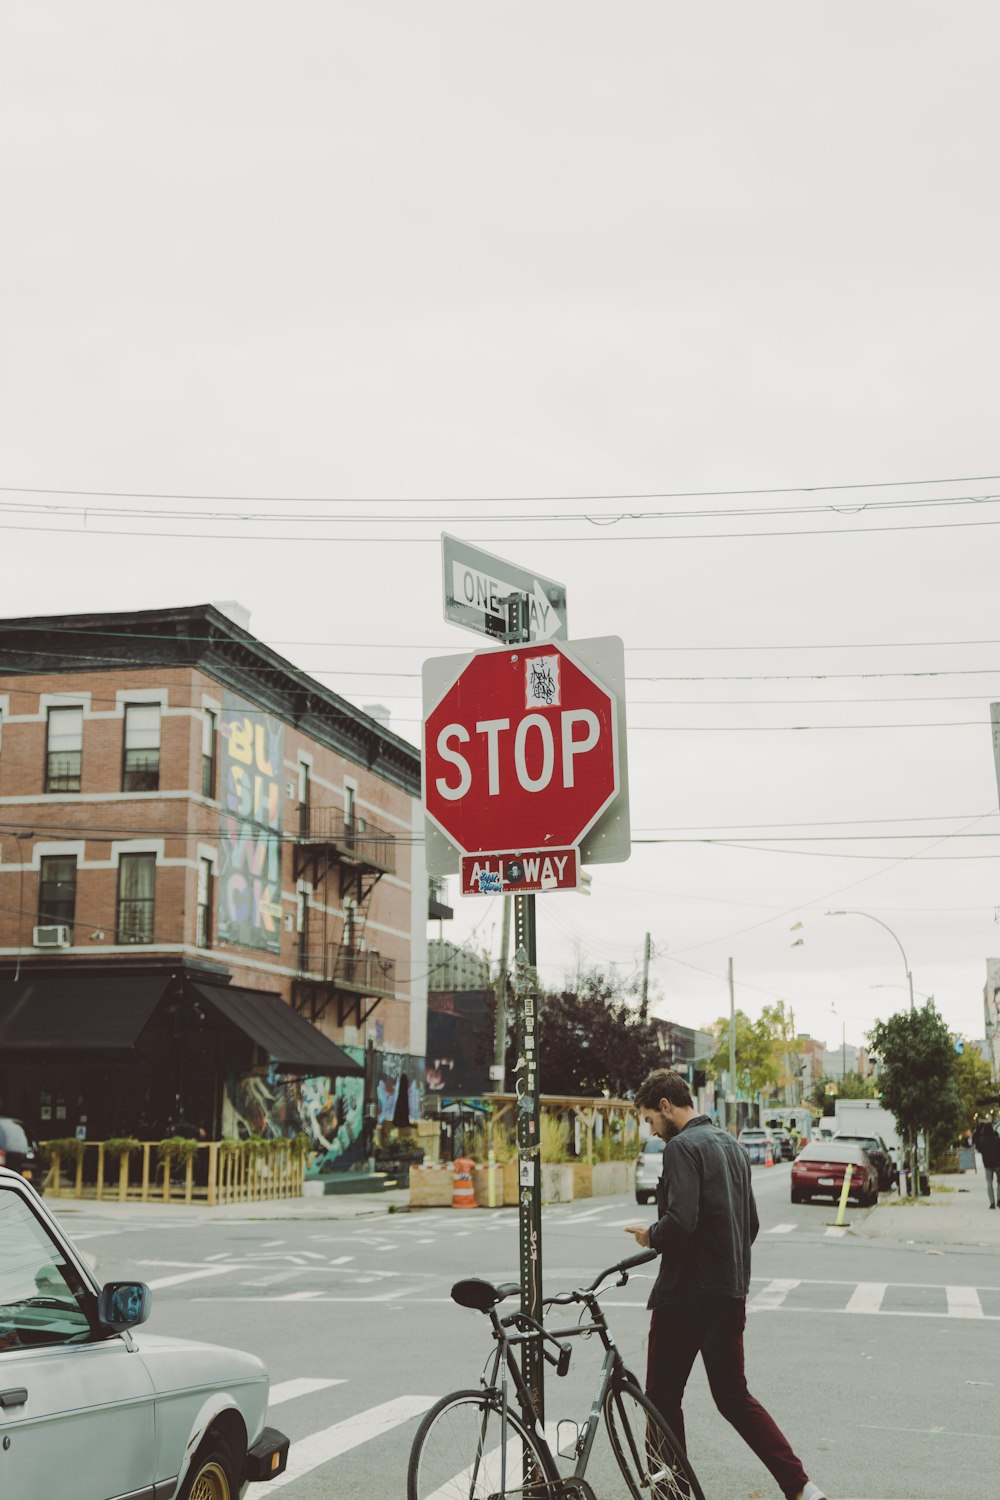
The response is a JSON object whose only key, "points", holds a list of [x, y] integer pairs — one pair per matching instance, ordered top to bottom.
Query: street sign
{"points": [[477, 586], [520, 749], [608, 840], [527, 870]]}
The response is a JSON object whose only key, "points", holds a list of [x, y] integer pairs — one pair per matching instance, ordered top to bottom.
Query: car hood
{"points": [[176, 1364]]}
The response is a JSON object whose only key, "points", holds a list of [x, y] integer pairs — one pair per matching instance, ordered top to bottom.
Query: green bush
{"points": [[177, 1148]]}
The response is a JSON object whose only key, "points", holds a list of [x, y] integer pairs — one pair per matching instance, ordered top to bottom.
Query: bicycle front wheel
{"points": [[462, 1452], [653, 1462]]}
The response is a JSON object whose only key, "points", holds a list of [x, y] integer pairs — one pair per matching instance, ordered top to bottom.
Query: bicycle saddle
{"points": [[482, 1295]]}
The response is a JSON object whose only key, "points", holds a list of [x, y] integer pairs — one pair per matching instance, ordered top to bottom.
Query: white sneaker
{"points": [[812, 1492]]}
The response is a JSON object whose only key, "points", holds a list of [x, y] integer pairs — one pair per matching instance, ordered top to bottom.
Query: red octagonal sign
{"points": [[520, 752]]}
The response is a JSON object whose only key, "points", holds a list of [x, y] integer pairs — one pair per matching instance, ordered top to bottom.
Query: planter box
{"points": [[611, 1177], [583, 1179], [431, 1187]]}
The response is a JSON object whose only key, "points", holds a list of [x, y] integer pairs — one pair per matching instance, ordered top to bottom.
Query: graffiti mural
{"points": [[252, 747], [330, 1111]]}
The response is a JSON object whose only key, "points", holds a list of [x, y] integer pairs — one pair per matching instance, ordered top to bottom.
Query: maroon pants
{"points": [[713, 1327]]}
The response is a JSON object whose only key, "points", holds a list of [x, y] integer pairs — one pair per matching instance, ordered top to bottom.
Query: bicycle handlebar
{"points": [[621, 1268]]}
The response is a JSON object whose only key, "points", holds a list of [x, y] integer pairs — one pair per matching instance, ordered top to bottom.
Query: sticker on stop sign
{"points": [[520, 748]]}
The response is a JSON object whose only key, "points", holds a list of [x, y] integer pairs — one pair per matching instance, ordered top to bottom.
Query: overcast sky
{"points": [[379, 270]]}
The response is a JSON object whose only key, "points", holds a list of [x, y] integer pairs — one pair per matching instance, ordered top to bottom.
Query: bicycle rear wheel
{"points": [[458, 1454], [653, 1462]]}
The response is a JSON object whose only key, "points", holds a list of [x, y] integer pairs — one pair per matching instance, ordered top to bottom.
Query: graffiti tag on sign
{"points": [[252, 747]]}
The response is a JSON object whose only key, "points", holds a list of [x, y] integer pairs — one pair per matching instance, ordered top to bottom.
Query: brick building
{"points": [[213, 896]]}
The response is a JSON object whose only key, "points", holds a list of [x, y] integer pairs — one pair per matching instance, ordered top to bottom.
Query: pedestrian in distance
{"points": [[987, 1143], [707, 1221]]}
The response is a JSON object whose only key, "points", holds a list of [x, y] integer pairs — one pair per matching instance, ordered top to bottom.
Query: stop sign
{"points": [[520, 751]]}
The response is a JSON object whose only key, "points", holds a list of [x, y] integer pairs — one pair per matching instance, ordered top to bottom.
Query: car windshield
{"points": [[868, 1142], [831, 1151]]}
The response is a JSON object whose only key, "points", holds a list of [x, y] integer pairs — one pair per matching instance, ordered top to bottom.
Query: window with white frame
{"points": [[209, 724], [64, 750], [141, 765], [136, 897], [204, 921]]}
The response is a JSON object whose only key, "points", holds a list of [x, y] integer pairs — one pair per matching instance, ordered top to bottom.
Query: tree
{"points": [[595, 1037], [756, 1057], [917, 1077], [973, 1080]]}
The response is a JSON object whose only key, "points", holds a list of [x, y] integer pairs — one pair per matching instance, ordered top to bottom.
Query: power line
{"points": [[797, 489], [602, 518], [418, 541]]}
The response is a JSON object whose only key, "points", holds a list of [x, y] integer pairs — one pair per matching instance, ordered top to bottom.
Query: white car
{"points": [[648, 1169], [93, 1411]]}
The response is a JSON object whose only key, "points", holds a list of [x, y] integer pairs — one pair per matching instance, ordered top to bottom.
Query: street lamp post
{"points": [[909, 976], [915, 1184]]}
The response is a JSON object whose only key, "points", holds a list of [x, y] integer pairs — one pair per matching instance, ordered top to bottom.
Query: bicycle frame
{"points": [[613, 1369]]}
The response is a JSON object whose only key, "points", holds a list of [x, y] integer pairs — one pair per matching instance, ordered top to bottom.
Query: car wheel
{"points": [[796, 1197], [212, 1475]]}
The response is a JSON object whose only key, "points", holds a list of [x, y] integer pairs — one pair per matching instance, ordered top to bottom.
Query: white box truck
{"points": [[868, 1117]]}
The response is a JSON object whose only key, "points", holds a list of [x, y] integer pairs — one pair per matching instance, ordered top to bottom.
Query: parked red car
{"points": [[820, 1167]]}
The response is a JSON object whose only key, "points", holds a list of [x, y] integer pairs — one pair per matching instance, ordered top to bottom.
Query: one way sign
{"points": [[477, 586]]}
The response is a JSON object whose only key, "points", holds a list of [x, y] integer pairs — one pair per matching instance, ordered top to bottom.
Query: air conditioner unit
{"points": [[52, 937]]}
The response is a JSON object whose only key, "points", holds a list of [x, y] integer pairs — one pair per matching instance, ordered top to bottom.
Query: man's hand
{"points": [[641, 1232]]}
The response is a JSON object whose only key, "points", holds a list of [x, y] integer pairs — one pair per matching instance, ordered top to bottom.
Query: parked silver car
{"points": [[648, 1167], [91, 1409]]}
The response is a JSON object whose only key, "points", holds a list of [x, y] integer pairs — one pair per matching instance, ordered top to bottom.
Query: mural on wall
{"points": [[252, 748], [330, 1111]]}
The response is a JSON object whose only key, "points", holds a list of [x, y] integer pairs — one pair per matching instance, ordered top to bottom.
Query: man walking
{"points": [[987, 1143], [706, 1225]]}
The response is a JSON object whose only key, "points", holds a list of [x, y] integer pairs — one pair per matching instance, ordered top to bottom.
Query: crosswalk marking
{"points": [[780, 1229], [163, 1281], [771, 1296], [866, 1297], [963, 1302], [289, 1390], [320, 1447]]}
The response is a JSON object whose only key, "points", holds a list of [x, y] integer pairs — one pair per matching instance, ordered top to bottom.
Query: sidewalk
{"points": [[311, 1207], [956, 1214]]}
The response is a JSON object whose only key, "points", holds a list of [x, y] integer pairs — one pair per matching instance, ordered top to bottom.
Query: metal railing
{"points": [[357, 839], [361, 970]]}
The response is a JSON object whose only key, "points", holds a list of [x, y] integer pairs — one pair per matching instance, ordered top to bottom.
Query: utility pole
{"points": [[647, 953], [732, 1050]]}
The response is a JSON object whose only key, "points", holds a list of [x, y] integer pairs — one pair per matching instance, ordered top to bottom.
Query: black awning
{"points": [[76, 1012], [292, 1043]]}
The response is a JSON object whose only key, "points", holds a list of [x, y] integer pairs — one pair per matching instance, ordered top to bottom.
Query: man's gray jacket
{"points": [[708, 1218]]}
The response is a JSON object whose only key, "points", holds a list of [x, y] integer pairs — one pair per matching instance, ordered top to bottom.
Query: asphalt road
{"points": [[879, 1361]]}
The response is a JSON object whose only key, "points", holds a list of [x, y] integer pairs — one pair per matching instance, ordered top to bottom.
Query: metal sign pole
{"points": [[529, 1104], [529, 1140]]}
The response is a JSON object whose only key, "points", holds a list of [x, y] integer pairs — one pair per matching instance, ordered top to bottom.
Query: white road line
{"points": [[591, 1213], [781, 1229], [835, 1233], [271, 1244], [222, 1255], [341, 1260], [162, 1281], [771, 1296], [866, 1297], [963, 1302], [289, 1390], [320, 1447]]}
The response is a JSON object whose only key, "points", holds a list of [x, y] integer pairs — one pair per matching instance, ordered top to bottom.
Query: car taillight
{"points": [[3, 1157]]}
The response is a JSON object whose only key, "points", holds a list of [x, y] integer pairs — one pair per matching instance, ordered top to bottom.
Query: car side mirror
{"points": [[124, 1304]]}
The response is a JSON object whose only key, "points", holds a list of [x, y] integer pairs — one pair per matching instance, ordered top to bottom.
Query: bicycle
{"points": [[472, 1446]]}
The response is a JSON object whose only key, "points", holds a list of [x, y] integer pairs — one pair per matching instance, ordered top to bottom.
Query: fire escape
{"points": [[343, 857]]}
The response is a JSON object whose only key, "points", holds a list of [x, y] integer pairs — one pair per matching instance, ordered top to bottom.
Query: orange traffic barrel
{"points": [[768, 1154], [463, 1194]]}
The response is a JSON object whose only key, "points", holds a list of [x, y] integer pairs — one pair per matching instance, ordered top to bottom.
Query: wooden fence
{"points": [[212, 1172]]}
